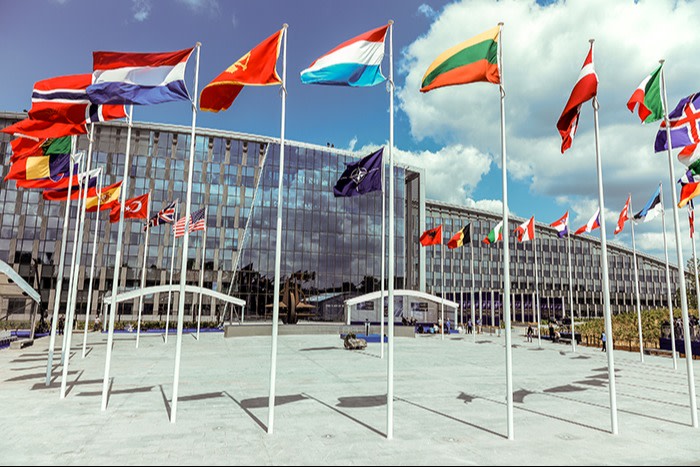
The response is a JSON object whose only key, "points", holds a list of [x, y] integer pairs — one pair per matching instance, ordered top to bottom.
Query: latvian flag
{"points": [[164, 216], [624, 216], [592, 224], [562, 225], [526, 230]]}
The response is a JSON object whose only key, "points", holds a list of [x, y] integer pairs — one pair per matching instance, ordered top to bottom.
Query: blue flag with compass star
{"points": [[361, 177]]}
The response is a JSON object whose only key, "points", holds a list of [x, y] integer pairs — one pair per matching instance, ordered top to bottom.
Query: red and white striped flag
{"points": [[624, 216], [691, 218], [198, 222], [526, 230]]}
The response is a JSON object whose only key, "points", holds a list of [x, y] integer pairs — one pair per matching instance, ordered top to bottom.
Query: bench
{"points": [[20, 344], [658, 352]]}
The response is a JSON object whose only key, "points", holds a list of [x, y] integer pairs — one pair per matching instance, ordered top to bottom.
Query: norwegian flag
{"points": [[164, 216], [624, 216], [691, 218], [198, 222], [526, 230]]}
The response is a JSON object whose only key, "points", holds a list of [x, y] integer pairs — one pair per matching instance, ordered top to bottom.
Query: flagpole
{"points": [[185, 245], [278, 247], [506, 247], [94, 253], [117, 261], [604, 262], [695, 262], [61, 264], [383, 265], [681, 266], [172, 268], [390, 268], [143, 269], [471, 273], [201, 276], [636, 287], [442, 288], [454, 288], [571, 289], [537, 295], [669, 298]]}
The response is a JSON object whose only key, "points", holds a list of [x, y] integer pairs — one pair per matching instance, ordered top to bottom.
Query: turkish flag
{"points": [[134, 208]]}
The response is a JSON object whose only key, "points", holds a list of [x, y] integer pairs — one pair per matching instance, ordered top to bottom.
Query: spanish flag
{"points": [[256, 68], [108, 198], [461, 238]]}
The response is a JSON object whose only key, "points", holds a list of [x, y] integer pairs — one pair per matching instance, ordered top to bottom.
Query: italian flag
{"points": [[469, 62], [648, 97], [496, 235]]}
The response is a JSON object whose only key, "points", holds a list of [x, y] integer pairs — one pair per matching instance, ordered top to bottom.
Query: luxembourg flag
{"points": [[356, 62], [138, 78], [592, 224], [562, 225]]}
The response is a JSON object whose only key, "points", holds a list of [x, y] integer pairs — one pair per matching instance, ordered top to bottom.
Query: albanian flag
{"points": [[432, 237]]}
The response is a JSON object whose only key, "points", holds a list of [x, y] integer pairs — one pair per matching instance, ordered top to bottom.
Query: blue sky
{"points": [[452, 132]]}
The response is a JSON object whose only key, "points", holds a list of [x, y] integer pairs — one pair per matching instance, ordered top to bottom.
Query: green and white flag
{"points": [[648, 97], [495, 235]]}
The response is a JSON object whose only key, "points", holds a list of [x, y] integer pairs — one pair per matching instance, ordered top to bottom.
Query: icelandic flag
{"points": [[356, 62], [139, 78], [685, 125], [361, 177], [653, 208], [592, 224], [562, 225]]}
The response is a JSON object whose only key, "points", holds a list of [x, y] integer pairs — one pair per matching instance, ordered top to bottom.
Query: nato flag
{"points": [[361, 177]]}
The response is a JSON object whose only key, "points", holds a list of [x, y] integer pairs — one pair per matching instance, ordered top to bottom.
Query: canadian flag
{"points": [[585, 89], [134, 208], [624, 216], [592, 224], [526, 230]]}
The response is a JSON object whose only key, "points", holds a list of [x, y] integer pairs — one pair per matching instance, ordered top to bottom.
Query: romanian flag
{"points": [[469, 62], [256, 68], [51, 171], [688, 192], [108, 198], [496, 235], [432, 237], [460, 238]]}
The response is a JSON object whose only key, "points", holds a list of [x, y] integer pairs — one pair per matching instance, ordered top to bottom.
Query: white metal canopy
{"points": [[12, 284], [136, 293], [402, 293]]}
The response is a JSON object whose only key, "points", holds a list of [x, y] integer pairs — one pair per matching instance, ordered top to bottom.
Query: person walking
{"points": [[366, 327], [530, 332], [603, 340]]}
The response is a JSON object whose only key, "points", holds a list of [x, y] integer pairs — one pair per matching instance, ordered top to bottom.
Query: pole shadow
{"points": [[70, 386], [119, 391], [166, 402], [361, 402], [250, 414], [348, 416]]}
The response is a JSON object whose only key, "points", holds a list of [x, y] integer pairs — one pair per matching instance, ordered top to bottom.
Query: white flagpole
{"points": [[185, 246], [278, 246], [506, 246], [94, 253], [118, 260], [695, 262], [604, 263], [383, 266], [681, 266], [172, 268], [390, 268], [143, 269], [75, 273], [471, 273], [201, 277], [59, 279], [636, 287], [442, 288], [454, 288], [571, 288], [537, 294], [669, 298]]}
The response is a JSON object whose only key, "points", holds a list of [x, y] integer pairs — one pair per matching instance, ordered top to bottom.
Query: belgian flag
{"points": [[461, 238]]}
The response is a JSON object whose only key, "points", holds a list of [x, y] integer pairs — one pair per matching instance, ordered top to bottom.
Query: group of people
{"points": [[435, 328]]}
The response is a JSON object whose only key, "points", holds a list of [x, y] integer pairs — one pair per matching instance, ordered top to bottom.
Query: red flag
{"points": [[256, 68], [585, 89], [40, 129], [26, 147], [134, 208], [624, 216], [691, 218], [526, 230], [432, 237]]}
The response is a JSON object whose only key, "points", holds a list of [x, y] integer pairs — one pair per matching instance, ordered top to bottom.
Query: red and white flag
{"points": [[585, 89], [134, 208], [624, 216], [691, 219], [198, 222], [592, 224], [526, 230]]}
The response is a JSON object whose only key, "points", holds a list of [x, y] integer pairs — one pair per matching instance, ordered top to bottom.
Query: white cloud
{"points": [[202, 6], [141, 9], [427, 11], [352, 143], [492, 205]]}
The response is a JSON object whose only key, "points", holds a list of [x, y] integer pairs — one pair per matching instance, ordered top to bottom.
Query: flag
{"points": [[356, 62], [469, 62], [256, 68], [139, 78], [586, 88], [648, 98], [64, 99], [685, 125], [40, 129], [26, 147], [690, 157], [42, 172], [690, 176], [361, 177], [688, 192], [62, 194], [108, 198], [134, 208], [653, 208], [165, 216], [624, 216], [691, 218], [198, 222], [592, 224], [562, 225], [179, 227], [526, 230], [496, 235], [432, 237], [461, 238]]}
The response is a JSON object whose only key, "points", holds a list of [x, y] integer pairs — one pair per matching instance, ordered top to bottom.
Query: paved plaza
{"points": [[450, 405]]}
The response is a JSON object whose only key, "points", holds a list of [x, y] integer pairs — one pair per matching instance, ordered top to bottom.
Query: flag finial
{"points": [[391, 21], [501, 23], [285, 26], [591, 41], [662, 61]]}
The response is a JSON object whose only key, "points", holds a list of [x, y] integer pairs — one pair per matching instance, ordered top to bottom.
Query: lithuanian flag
{"points": [[469, 62]]}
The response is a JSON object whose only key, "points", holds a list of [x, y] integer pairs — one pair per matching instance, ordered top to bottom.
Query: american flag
{"points": [[164, 216], [199, 222]]}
